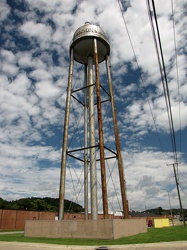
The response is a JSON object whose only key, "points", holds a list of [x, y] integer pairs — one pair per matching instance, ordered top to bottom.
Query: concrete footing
{"points": [[90, 229]]}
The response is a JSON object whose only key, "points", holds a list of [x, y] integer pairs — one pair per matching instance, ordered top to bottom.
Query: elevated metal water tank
{"points": [[82, 43]]}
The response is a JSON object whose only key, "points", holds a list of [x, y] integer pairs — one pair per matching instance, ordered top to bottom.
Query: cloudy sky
{"points": [[34, 52]]}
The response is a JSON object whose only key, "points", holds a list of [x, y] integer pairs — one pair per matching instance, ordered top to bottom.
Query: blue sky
{"points": [[34, 52]]}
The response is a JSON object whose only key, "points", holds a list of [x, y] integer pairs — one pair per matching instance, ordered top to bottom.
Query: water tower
{"points": [[90, 47]]}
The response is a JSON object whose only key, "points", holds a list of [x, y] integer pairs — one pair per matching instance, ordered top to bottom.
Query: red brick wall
{"points": [[8, 219], [15, 219]]}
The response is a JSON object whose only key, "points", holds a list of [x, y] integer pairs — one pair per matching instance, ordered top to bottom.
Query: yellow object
{"points": [[159, 223]]}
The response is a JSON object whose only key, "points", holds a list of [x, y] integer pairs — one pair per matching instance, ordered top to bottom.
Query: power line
{"points": [[158, 46], [177, 71], [141, 79], [166, 94]]}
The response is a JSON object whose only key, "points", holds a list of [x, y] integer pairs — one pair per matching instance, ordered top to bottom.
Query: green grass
{"points": [[177, 233]]}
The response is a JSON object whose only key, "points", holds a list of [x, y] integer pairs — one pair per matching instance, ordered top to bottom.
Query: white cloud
{"points": [[4, 10], [39, 31], [8, 56], [26, 60], [8, 65], [10, 69], [40, 74], [20, 85], [44, 89], [26, 167]]}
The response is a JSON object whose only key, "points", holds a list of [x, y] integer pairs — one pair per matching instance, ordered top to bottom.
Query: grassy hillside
{"points": [[40, 204]]}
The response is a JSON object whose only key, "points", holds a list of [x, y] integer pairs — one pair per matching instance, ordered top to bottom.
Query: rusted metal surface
{"points": [[101, 137], [118, 148]]}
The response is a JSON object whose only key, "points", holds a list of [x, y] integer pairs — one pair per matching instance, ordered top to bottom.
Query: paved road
{"points": [[179, 245]]}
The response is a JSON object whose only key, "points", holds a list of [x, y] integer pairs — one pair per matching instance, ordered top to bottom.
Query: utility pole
{"points": [[178, 191], [170, 207]]}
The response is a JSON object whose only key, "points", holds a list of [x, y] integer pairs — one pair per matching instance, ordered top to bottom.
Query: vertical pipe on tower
{"points": [[101, 137], [65, 141], [85, 144], [118, 149], [93, 172]]}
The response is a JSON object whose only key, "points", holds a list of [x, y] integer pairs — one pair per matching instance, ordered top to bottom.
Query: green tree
{"points": [[40, 204], [160, 210]]}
